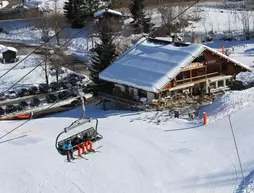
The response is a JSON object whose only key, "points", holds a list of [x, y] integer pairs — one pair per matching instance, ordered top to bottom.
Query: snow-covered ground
{"points": [[4, 4], [45, 4], [138, 154]]}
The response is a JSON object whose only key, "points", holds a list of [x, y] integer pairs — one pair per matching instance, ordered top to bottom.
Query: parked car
{"points": [[74, 82], [65, 85], [55, 86], [44, 88], [33, 90], [23, 92], [12, 94], [64, 95], [2, 97], [51, 98], [35, 102], [23, 105], [10, 109], [2, 111]]}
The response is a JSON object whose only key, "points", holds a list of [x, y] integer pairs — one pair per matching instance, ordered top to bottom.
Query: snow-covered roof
{"points": [[102, 11], [4, 49], [150, 66]]}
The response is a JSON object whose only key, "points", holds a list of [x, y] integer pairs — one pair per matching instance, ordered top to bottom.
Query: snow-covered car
{"points": [[12, 94]]}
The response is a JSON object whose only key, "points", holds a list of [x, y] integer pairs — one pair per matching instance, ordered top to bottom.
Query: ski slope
{"points": [[138, 154]]}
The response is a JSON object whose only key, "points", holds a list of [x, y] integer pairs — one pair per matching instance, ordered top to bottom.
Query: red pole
{"points": [[223, 49]]}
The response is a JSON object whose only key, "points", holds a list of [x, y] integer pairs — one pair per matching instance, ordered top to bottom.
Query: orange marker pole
{"points": [[223, 49], [205, 118]]}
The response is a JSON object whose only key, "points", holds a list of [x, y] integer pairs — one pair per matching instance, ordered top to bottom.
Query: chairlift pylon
{"points": [[88, 134]]}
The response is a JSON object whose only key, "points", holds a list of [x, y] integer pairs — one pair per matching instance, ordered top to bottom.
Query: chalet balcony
{"points": [[197, 78]]}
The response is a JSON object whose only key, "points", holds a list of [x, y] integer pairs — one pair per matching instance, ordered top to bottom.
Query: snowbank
{"points": [[247, 77], [227, 104]]}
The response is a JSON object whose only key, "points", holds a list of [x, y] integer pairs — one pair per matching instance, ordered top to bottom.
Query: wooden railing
{"points": [[197, 77]]}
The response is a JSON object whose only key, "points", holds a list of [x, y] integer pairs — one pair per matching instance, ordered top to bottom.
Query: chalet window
{"points": [[220, 83], [142, 93]]}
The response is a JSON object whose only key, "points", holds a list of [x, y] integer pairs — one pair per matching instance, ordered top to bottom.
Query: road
{"points": [[24, 49]]}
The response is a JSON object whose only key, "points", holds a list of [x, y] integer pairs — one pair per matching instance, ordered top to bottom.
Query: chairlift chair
{"points": [[85, 134]]}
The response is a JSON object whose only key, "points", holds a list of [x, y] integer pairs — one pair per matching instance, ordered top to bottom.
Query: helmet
{"points": [[79, 136], [69, 141]]}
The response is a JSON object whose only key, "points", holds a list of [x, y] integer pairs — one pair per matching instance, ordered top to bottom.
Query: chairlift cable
{"points": [[38, 65], [31, 118]]}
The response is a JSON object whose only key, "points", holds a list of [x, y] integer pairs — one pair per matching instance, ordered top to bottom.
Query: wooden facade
{"points": [[207, 65]]}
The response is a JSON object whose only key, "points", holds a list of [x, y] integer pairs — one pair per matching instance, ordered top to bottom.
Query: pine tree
{"points": [[136, 8], [68, 10], [78, 12], [142, 23], [103, 54]]}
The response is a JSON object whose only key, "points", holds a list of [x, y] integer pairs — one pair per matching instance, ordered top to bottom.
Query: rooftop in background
{"points": [[102, 11], [4, 49], [152, 63]]}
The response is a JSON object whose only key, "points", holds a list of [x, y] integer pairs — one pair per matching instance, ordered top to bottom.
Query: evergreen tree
{"points": [[68, 10], [78, 12], [142, 23], [103, 54]]}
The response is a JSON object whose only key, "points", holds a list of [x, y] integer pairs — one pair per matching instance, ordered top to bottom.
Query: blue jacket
{"points": [[67, 146]]}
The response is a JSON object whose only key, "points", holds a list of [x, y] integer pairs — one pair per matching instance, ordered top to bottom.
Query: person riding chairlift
{"points": [[69, 150]]}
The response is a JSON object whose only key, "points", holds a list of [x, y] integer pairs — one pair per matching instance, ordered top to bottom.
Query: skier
{"points": [[78, 140], [69, 150]]}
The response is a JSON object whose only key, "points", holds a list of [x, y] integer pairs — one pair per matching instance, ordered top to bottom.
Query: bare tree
{"points": [[58, 21], [57, 61]]}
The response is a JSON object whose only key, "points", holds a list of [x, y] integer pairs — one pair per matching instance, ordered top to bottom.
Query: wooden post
{"points": [[223, 49], [191, 75], [205, 118]]}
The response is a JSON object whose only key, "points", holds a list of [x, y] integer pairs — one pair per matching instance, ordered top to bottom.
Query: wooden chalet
{"points": [[109, 17], [9, 54], [154, 69]]}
